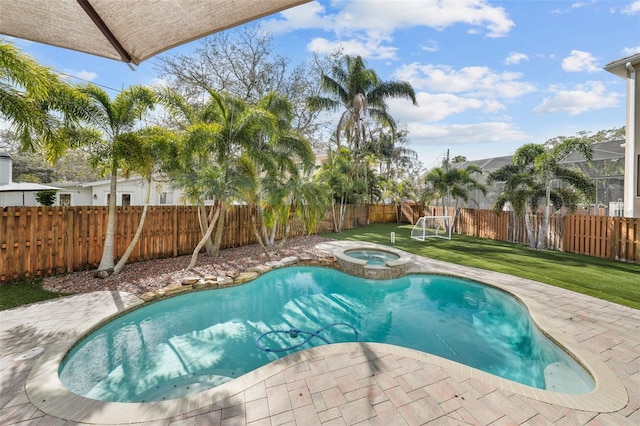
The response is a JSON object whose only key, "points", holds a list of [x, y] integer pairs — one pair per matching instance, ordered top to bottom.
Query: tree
{"points": [[243, 62], [359, 92], [36, 102], [112, 123], [221, 152], [143, 153], [534, 177], [339, 178], [449, 183], [285, 188], [46, 197]]}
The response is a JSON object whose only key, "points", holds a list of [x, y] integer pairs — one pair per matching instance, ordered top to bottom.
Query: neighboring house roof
{"points": [[619, 67], [601, 151], [25, 186]]}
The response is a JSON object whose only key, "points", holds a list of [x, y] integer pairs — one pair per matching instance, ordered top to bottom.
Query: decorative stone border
{"points": [[359, 267], [236, 278]]}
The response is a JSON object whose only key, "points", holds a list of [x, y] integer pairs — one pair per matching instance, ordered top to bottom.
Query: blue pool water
{"points": [[373, 257], [202, 339]]}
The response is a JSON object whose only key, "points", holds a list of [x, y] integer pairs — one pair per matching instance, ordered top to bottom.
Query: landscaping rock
{"points": [[290, 260], [260, 269], [245, 277], [190, 280], [224, 280], [204, 284], [176, 288], [149, 296]]}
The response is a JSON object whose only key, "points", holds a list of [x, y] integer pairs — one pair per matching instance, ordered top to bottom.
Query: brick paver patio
{"points": [[342, 384]]}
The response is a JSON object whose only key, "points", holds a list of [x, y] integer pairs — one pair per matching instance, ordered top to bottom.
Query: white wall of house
{"points": [[629, 69], [129, 192], [18, 198]]}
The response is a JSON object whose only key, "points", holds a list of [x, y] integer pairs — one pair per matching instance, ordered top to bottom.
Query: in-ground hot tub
{"points": [[377, 262]]}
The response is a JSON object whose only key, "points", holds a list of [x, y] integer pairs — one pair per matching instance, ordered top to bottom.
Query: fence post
{"points": [[174, 216], [70, 241]]}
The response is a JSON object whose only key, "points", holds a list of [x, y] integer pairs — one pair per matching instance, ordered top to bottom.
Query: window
{"points": [[638, 177], [166, 198], [126, 199], [65, 200]]}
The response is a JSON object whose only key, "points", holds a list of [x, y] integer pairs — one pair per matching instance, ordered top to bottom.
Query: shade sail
{"points": [[127, 30]]}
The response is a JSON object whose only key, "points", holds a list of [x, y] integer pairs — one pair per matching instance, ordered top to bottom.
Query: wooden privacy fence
{"points": [[616, 238], [40, 241]]}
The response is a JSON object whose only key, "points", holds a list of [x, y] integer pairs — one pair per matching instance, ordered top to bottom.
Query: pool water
{"points": [[373, 257], [200, 340]]}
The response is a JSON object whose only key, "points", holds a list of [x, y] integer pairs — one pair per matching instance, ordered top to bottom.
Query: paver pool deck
{"points": [[349, 383]]}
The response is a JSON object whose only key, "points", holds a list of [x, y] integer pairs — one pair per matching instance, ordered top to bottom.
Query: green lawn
{"points": [[605, 279], [21, 293]]}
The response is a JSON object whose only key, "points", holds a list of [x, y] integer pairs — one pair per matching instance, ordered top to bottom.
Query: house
{"points": [[628, 69], [606, 169], [130, 192], [17, 193]]}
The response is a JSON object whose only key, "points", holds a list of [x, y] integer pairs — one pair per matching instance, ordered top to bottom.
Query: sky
{"points": [[489, 76]]}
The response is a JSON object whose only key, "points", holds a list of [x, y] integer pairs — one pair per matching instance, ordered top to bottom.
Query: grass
{"points": [[602, 278], [24, 292]]}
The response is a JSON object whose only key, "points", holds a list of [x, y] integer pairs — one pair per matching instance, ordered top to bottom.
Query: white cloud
{"points": [[582, 4], [632, 9], [366, 15], [361, 20], [430, 46], [368, 49], [628, 51], [515, 58], [580, 61], [85, 75], [475, 81], [581, 98], [432, 107], [462, 134]]}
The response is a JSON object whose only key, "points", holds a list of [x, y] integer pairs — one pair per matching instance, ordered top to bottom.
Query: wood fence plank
{"points": [[43, 241]]}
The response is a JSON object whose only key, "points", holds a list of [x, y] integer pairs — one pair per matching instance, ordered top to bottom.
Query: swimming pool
{"points": [[373, 257], [199, 340]]}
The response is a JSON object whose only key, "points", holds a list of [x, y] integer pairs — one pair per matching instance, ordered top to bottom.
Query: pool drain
{"points": [[295, 332]]}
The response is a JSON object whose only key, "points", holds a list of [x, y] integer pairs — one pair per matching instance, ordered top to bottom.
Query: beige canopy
{"points": [[128, 30]]}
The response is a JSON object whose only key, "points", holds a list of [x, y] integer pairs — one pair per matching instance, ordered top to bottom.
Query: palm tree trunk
{"points": [[333, 216], [204, 223], [254, 224], [220, 229], [530, 233], [207, 235], [542, 236], [272, 237], [125, 257], [107, 261]]}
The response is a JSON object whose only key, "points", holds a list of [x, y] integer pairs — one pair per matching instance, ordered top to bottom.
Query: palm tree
{"points": [[359, 92], [36, 102], [113, 122], [143, 153], [221, 153], [339, 178], [529, 181], [448, 183], [285, 186]]}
